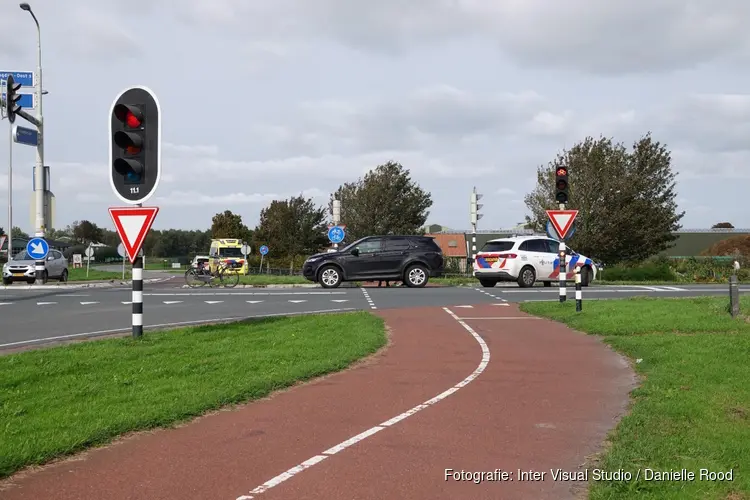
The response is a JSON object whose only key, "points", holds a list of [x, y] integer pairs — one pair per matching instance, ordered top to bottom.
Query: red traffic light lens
{"points": [[129, 115], [562, 171]]}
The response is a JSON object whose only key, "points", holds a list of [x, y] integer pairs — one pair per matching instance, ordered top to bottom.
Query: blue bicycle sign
{"points": [[336, 234], [263, 249]]}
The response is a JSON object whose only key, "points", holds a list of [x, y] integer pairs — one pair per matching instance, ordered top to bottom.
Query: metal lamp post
{"points": [[39, 180]]}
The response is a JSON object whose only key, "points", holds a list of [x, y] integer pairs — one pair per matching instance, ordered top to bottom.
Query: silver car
{"points": [[21, 268]]}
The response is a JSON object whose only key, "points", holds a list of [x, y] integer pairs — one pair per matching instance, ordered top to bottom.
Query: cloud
{"points": [[587, 35]]}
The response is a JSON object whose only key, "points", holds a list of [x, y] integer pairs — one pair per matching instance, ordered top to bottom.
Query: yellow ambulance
{"points": [[229, 252]]}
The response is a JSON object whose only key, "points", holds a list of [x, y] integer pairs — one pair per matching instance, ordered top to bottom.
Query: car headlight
{"points": [[313, 259], [5, 266]]}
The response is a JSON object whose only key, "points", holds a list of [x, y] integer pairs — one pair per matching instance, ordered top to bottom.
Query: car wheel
{"points": [[64, 276], [416, 276], [585, 276], [329, 277], [527, 277], [488, 283], [547, 284]]}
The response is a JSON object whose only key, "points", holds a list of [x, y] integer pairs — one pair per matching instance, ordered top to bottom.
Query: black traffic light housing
{"points": [[11, 98], [135, 145], [561, 185]]}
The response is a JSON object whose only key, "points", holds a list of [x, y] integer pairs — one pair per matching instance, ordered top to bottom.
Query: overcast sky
{"points": [[298, 96]]}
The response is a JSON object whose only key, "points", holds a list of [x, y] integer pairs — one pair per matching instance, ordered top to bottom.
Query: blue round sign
{"points": [[552, 233], [336, 234], [37, 248], [263, 249]]}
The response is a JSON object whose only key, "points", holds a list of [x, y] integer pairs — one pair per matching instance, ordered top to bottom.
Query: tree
{"points": [[625, 199], [385, 201], [229, 225], [722, 225], [292, 227], [17, 232], [86, 232]]}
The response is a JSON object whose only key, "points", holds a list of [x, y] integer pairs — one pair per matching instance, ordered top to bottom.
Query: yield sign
{"points": [[562, 220], [133, 224], [2, 241]]}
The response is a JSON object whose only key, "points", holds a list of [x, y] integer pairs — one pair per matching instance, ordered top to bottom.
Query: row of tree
{"points": [[625, 196]]}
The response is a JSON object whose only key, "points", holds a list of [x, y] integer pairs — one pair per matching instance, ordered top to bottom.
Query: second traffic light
{"points": [[11, 99], [135, 145], [561, 185]]}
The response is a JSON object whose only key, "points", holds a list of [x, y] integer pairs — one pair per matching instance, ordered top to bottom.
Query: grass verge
{"points": [[79, 274], [57, 401], [692, 409]]}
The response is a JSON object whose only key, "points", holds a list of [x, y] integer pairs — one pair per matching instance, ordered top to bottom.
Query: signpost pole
{"points": [[10, 191], [336, 217], [88, 254], [563, 267], [138, 294]]}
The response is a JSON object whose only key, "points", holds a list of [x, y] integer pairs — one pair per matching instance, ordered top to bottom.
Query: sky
{"points": [[267, 100]]}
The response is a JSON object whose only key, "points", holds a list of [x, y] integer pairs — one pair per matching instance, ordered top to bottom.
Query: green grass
{"points": [[79, 274], [272, 279], [58, 401], [692, 409]]}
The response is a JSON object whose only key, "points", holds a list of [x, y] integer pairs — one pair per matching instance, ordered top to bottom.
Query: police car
{"points": [[528, 259]]}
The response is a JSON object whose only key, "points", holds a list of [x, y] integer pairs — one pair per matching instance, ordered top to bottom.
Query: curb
{"points": [[100, 284], [272, 286]]}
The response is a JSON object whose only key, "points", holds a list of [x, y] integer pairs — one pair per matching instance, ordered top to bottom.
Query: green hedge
{"points": [[691, 269]]}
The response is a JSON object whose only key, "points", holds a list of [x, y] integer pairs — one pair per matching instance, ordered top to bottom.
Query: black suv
{"points": [[411, 259]]}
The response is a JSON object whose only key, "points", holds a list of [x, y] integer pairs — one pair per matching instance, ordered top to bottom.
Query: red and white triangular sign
{"points": [[562, 220], [133, 224], [2, 241]]}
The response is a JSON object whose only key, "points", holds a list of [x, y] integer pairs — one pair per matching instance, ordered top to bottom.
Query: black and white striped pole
{"points": [[474, 216], [563, 274], [579, 293], [137, 296]]}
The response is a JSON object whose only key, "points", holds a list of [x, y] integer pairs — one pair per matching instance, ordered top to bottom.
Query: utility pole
{"points": [[474, 217]]}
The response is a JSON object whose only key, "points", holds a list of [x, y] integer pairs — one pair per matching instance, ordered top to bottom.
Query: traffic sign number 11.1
{"points": [[135, 190]]}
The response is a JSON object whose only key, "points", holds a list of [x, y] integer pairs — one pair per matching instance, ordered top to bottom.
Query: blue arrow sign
{"points": [[25, 78], [26, 101], [23, 135], [336, 234], [553, 234], [37, 248], [263, 250]]}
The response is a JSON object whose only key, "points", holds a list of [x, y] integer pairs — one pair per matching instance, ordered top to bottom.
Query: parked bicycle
{"points": [[201, 275]]}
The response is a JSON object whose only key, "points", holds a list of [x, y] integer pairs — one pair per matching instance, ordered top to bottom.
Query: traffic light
{"points": [[11, 98], [135, 145], [561, 185], [474, 206]]}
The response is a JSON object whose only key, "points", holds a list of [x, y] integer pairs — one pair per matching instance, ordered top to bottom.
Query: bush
{"points": [[649, 271]]}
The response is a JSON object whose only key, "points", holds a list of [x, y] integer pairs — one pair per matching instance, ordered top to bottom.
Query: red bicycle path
{"points": [[542, 397]]}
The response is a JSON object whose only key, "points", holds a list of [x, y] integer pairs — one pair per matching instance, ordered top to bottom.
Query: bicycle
{"points": [[202, 275]]}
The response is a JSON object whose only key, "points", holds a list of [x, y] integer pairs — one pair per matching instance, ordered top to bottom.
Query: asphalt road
{"points": [[31, 316]]}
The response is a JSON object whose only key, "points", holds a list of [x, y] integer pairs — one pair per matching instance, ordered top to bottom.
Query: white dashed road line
{"points": [[490, 295], [368, 299], [284, 476]]}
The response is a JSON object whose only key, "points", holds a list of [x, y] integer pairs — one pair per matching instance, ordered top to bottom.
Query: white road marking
{"points": [[199, 294], [490, 294], [76, 295], [368, 299], [339, 300], [213, 301], [253, 301], [297, 301], [126, 302], [168, 302], [5, 303], [45, 303], [88, 303], [502, 304], [468, 307], [503, 317], [174, 325], [373, 430]]}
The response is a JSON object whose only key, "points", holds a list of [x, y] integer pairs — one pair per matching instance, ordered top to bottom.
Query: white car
{"points": [[528, 259]]}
